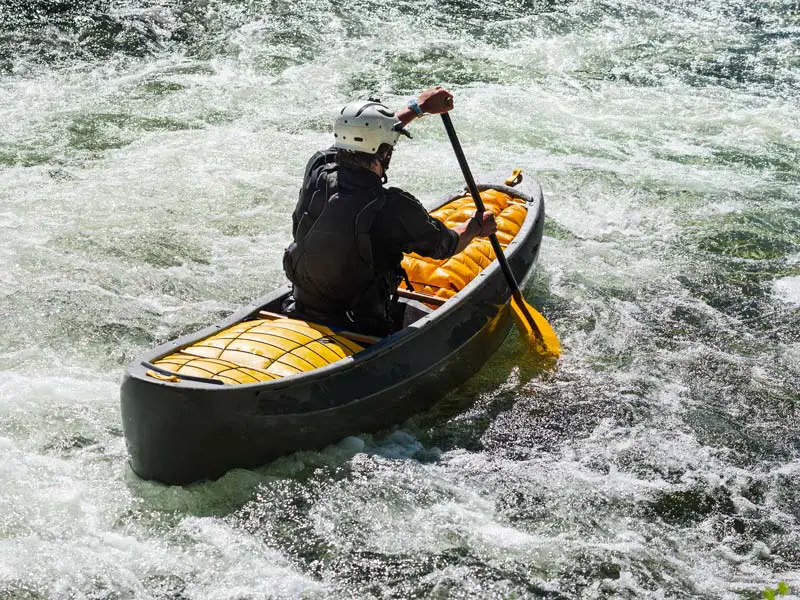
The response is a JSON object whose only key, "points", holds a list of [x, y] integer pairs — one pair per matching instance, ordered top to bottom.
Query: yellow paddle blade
{"points": [[539, 333]]}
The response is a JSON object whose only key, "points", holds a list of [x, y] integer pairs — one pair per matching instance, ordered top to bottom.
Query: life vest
{"points": [[330, 262]]}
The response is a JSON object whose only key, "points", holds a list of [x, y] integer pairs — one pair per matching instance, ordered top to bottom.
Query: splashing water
{"points": [[151, 154]]}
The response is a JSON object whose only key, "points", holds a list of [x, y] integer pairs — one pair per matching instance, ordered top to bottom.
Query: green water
{"points": [[150, 157]]}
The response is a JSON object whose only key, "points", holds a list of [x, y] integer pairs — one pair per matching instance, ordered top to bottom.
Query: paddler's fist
{"points": [[435, 100], [487, 223]]}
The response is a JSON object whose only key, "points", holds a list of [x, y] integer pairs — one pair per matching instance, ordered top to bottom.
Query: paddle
{"points": [[533, 325]]}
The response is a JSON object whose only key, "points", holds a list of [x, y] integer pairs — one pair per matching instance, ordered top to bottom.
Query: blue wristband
{"points": [[413, 105]]}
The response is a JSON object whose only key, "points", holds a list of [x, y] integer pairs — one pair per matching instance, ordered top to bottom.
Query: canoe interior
{"points": [[268, 345]]}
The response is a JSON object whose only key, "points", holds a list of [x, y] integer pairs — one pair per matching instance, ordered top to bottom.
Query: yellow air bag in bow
{"points": [[444, 278]]}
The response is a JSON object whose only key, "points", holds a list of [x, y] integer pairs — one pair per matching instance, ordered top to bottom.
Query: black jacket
{"points": [[350, 234]]}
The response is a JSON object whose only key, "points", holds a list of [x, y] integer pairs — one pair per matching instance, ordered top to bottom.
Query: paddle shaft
{"points": [[476, 196]]}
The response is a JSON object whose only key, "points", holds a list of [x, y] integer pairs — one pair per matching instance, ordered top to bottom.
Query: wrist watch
{"points": [[414, 105]]}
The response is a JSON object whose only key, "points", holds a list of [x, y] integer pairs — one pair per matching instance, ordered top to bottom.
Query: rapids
{"points": [[150, 157]]}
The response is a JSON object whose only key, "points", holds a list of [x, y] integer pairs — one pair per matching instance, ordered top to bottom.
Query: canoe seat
{"points": [[445, 278], [414, 310]]}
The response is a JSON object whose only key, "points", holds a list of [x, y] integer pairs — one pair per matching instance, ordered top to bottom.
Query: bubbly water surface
{"points": [[150, 157]]}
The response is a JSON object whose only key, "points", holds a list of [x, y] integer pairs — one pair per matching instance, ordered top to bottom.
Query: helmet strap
{"points": [[385, 157]]}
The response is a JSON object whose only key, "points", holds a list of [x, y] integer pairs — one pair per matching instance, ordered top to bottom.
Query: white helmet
{"points": [[364, 125]]}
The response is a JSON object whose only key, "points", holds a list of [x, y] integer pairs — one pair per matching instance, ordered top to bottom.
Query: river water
{"points": [[150, 157]]}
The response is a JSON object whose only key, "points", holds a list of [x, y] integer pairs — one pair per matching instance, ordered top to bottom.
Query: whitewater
{"points": [[150, 157]]}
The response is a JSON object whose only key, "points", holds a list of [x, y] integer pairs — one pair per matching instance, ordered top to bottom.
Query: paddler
{"points": [[350, 232]]}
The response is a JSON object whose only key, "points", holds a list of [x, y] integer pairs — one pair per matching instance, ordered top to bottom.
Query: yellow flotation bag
{"points": [[445, 278], [258, 350]]}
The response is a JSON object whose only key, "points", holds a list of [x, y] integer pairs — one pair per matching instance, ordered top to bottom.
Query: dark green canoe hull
{"points": [[177, 433]]}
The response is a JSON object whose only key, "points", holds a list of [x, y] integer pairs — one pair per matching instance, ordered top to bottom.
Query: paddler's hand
{"points": [[435, 100], [487, 223], [479, 225]]}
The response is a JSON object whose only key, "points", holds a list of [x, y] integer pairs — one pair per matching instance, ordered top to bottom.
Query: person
{"points": [[350, 232]]}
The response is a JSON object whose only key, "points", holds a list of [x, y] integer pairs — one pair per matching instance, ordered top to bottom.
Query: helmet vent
{"points": [[358, 139]]}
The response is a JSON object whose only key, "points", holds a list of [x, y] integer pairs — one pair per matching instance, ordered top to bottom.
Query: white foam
{"points": [[615, 158], [787, 289]]}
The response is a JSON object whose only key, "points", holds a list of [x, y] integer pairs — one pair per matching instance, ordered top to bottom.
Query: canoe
{"points": [[259, 385]]}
